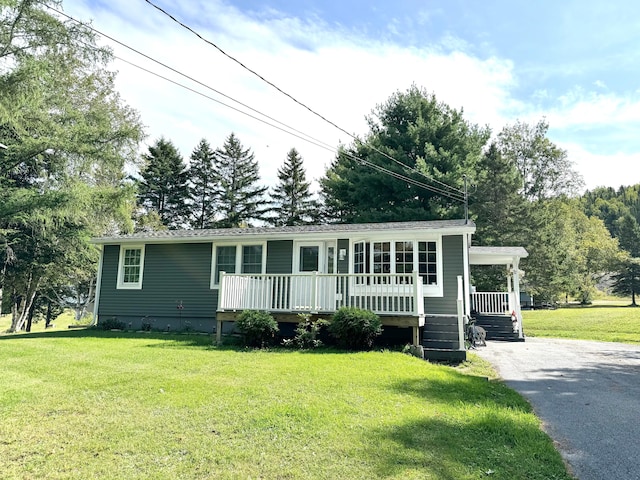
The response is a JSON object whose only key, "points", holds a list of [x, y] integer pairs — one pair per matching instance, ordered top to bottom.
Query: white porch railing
{"points": [[395, 294], [493, 303]]}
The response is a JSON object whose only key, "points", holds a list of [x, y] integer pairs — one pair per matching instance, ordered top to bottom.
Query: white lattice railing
{"points": [[316, 292], [493, 303]]}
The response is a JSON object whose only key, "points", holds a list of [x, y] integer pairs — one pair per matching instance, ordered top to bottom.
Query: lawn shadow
{"points": [[185, 339], [480, 446]]}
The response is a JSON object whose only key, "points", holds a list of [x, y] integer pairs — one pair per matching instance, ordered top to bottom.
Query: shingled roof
{"points": [[210, 234]]}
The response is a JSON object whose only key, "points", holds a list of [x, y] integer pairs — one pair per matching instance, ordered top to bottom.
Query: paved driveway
{"points": [[586, 393]]}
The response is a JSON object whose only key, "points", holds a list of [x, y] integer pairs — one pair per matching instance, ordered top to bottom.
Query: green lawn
{"points": [[609, 321], [90, 404]]}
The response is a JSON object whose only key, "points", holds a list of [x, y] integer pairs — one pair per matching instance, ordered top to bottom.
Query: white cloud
{"points": [[337, 72], [609, 170]]}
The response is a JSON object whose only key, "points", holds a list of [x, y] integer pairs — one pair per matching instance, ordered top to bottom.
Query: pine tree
{"points": [[202, 184], [163, 186], [240, 198], [292, 201], [627, 280]]}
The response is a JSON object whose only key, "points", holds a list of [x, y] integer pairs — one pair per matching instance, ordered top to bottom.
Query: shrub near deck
{"points": [[127, 406]]}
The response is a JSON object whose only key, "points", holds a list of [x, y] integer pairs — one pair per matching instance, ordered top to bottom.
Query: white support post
{"points": [[467, 281], [516, 291], [314, 293], [417, 298], [96, 301], [460, 304]]}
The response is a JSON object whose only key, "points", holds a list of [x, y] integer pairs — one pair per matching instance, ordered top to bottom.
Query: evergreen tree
{"points": [[426, 137], [202, 183], [163, 186], [240, 198], [292, 202], [498, 207], [499, 211], [629, 234], [627, 280]]}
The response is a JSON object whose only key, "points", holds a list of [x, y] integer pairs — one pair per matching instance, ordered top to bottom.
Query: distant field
{"points": [[609, 320], [60, 323]]}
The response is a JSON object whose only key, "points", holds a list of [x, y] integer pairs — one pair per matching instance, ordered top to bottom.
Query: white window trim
{"points": [[121, 285], [216, 286], [428, 290]]}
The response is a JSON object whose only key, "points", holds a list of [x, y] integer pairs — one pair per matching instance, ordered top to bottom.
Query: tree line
{"points": [[70, 141], [219, 189]]}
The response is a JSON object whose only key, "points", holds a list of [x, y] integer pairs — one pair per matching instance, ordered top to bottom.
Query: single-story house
{"points": [[414, 275]]}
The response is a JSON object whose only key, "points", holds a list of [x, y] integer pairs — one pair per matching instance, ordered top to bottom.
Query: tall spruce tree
{"points": [[202, 185], [163, 186], [240, 198], [292, 202]]}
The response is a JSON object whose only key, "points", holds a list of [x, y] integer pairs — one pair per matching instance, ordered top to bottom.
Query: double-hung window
{"points": [[237, 259], [130, 267]]}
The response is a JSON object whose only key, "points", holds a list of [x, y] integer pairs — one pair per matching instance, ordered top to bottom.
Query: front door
{"points": [[309, 291]]}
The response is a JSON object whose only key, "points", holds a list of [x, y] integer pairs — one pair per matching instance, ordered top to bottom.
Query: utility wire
{"points": [[230, 57], [185, 75], [302, 136], [320, 145]]}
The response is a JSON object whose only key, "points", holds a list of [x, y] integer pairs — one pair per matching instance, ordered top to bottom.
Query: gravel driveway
{"points": [[587, 395]]}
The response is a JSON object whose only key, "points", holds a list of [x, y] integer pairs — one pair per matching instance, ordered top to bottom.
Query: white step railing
{"points": [[316, 292], [493, 303]]}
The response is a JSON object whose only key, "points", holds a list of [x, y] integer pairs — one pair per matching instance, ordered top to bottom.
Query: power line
{"points": [[232, 58], [185, 75], [302, 135], [331, 149]]}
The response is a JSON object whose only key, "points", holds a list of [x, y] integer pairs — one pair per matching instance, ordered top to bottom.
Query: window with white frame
{"points": [[399, 257], [237, 258], [225, 260], [428, 262], [130, 267]]}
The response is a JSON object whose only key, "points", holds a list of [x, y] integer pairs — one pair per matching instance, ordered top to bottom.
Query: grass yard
{"points": [[606, 321], [90, 404]]}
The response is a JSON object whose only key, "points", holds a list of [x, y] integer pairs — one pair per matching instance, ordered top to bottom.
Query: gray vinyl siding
{"points": [[279, 256], [343, 265], [452, 266], [173, 274]]}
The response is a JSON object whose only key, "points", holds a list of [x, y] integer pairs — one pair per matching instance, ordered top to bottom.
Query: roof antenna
{"points": [[466, 200]]}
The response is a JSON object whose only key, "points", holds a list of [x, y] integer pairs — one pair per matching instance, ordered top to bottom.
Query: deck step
{"points": [[498, 327], [445, 355]]}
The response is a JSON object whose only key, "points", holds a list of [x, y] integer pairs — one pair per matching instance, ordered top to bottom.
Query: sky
{"points": [[574, 62]]}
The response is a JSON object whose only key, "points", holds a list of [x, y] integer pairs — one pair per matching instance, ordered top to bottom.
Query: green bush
{"points": [[111, 324], [258, 328], [354, 328], [307, 333]]}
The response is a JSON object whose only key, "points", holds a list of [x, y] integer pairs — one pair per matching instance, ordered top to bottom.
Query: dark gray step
{"points": [[440, 327], [440, 335], [441, 344], [439, 355]]}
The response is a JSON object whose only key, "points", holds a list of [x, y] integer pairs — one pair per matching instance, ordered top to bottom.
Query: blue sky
{"points": [[577, 63]]}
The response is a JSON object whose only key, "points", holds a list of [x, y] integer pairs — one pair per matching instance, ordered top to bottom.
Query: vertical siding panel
{"points": [[279, 256], [452, 266], [173, 273]]}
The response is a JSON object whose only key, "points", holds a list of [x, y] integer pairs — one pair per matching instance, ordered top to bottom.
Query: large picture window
{"points": [[399, 257], [130, 267]]}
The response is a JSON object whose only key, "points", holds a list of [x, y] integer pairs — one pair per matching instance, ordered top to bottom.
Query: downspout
{"points": [[96, 302]]}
